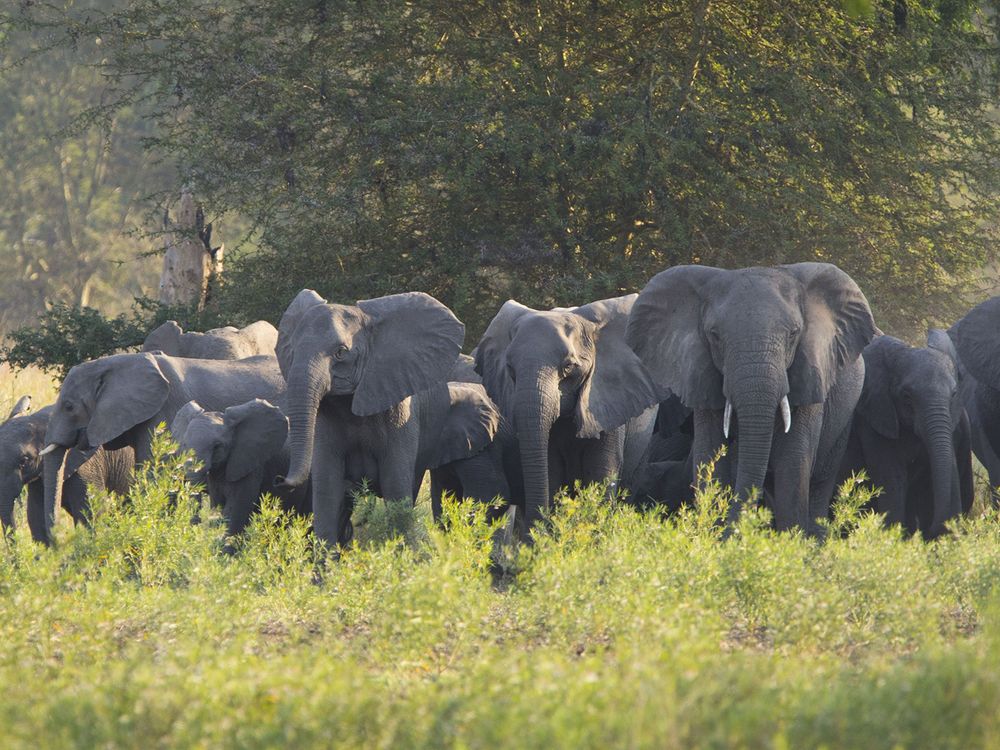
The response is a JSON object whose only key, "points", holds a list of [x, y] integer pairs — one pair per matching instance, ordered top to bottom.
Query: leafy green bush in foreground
{"points": [[619, 629]]}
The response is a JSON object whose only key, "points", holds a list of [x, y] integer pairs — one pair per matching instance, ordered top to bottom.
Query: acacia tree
{"points": [[561, 151]]}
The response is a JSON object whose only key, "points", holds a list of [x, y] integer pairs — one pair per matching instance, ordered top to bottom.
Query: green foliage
{"points": [[560, 152], [66, 335], [621, 628]]}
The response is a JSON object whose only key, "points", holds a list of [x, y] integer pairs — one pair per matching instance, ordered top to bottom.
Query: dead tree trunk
{"points": [[191, 266]]}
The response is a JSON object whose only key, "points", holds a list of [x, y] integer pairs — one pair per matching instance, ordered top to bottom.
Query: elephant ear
{"points": [[838, 325], [665, 331], [263, 334], [166, 338], [414, 341], [978, 343], [285, 346], [491, 355], [619, 387], [130, 389], [876, 405], [22, 406], [179, 425], [470, 425], [258, 430]]}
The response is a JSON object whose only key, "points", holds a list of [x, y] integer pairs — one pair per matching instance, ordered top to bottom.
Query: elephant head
{"points": [[751, 343], [377, 352], [571, 363], [915, 390], [99, 402], [22, 437], [232, 443]]}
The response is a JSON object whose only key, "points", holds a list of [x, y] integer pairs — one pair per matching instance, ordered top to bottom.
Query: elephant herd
{"points": [[784, 367]]}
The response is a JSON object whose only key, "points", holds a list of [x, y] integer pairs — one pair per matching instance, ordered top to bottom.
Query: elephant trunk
{"points": [[308, 383], [756, 394], [536, 408], [937, 429], [53, 475]]}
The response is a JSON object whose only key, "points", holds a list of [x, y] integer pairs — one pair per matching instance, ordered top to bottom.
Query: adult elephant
{"points": [[256, 339], [977, 340], [770, 357], [368, 397], [578, 399], [115, 402], [911, 433], [22, 438], [240, 451]]}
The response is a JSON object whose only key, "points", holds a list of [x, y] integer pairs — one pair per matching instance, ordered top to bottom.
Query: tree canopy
{"points": [[560, 151]]}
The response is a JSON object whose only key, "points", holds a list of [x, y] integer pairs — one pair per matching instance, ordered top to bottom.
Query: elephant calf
{"points": [[911, 433], [22, 438], [240, 451]]}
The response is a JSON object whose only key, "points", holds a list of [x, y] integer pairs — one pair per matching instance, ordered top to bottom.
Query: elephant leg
{"points": [[708, 439], [792, 457], [601, 458], [963, 458], [988, 458], [827, 473], [480, 478], [443, 479], [328, 482], [75, 499], [36, 511], [919, 512]]}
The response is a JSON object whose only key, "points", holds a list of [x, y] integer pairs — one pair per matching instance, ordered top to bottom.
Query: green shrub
{"points": [[620, 628]]}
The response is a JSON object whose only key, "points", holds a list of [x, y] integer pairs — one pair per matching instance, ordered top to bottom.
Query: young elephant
{"points": [[256, 339], [572, 391], [367, 397], [117, 401], [912, 435], [22, 438], [240, 450]]}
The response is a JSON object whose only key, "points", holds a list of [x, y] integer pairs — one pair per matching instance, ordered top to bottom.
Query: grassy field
{"points": [[616, 629]]}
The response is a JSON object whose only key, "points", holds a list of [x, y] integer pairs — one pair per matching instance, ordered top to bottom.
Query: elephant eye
{"points": [[795, 331], [714, 333], [341, 352], [568, 369], [511, 374], [68, 407], [24, 461]]}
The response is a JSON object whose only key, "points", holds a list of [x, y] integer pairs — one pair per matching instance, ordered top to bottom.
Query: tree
{"points": [[560, 151]]}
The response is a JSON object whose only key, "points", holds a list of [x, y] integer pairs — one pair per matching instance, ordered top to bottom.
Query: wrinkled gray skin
{"points": [[258, 338], [751, 338], [977, 340], [367, 397], [577, 398], [117, 401], [911, 434], [22, 438], [240, 451], [665, 474]]}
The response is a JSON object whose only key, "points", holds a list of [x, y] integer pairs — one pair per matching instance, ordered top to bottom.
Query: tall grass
{"points": [[617, 629]]}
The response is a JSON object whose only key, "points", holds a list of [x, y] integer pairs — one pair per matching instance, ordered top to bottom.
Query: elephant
{"points": [[255, 339], [977, 340], [752, 349], [368, 398], [578, 400], [117, 401], [911, 433], [22, 438], [240, 450], [665, 474]]}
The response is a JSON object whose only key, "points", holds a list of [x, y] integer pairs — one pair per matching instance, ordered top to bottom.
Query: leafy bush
{"points": [[67, 335], [621, 628]]}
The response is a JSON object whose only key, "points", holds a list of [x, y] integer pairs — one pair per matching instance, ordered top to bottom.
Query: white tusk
{"points": [[786, 413], [726, 416], [47, 449]]}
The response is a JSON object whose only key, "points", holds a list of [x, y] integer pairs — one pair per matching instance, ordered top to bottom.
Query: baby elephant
{"points": [[911, 433], [241, 450]]}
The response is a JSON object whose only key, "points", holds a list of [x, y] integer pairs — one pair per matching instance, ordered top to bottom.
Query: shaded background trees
{"points": [[562, 151]]}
